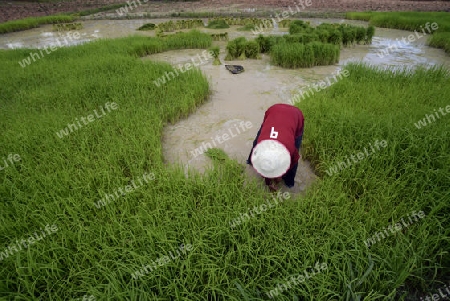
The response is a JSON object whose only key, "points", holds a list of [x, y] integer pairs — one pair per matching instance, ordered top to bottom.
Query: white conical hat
{"points": [[271, 159]]}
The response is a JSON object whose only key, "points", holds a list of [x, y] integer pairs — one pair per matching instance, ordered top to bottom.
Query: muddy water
{"points": [[238, 102]]}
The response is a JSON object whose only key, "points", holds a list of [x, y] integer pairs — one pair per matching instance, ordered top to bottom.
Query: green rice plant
{"points": [[28, 23], [284, 23], [218, 24], [67, 26], [148, 26], [247, 27], [295, 29], [360, 34], [369, 34], [348, 35], [335, 37], [293, 38], [190, 40], [440, 40], [263, 43], [241, 44], [236, 49], [252, 50], [232, 52], [215, 53], [298, 55]]}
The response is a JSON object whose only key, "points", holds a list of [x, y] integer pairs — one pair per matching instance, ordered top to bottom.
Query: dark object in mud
{"points": [[148, 26], [235, 69]]}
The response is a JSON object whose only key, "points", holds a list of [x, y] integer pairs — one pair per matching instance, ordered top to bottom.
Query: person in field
{"points": [[275, 151]]}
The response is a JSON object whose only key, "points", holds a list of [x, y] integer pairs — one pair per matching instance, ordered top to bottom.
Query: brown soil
{"points": [[16, 10]]}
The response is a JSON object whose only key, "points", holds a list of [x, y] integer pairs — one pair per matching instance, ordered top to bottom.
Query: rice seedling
{"points": [[28, 23], [218, 24], [67, 26], [247, 27], [369, 34], [348, 35], [361, 35], [219, 36], [335, 37], [440, 40], [236, 49], [252, 50], [215, 53], [298, 55]]}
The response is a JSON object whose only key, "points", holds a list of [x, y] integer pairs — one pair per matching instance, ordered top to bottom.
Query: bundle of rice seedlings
{"points": [[218, 24], [295, 28], [369, 34], [322, 35], [360, 35], [335, 37], [241, 43], [252, 50], [215, 53]]}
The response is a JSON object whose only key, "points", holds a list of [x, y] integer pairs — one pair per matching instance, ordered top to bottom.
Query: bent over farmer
{"points": [[275, 151]]}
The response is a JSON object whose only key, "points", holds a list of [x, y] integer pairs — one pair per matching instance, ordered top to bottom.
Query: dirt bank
{"points": [[17, 10]]}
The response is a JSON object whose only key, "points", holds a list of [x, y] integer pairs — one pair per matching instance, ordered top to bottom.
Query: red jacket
{"points": [[287, 122]]}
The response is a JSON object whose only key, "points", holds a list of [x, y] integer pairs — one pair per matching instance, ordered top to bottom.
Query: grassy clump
{"points": [[413, 21], [28, 23], [179, 24], [218, 24], [67, 26], [148, 26], [247, 27], [338, 34], [219, 36], [440, 40], [241, 49], [215, 53], [297, 55], [411, 173]]}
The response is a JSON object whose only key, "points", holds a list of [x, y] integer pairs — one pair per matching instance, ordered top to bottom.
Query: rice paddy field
{"points": [[89, 209]]}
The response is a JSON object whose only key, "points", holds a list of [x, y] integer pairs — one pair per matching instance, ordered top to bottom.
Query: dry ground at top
{"points": [[12, 10]]}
